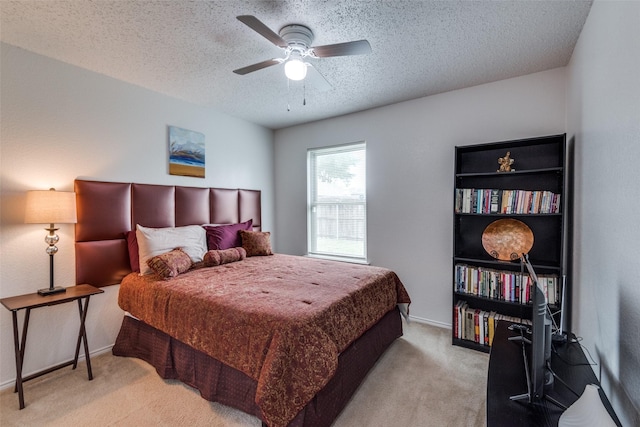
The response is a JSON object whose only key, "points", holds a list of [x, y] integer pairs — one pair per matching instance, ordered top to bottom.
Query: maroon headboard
{"points": [[106, 210]]}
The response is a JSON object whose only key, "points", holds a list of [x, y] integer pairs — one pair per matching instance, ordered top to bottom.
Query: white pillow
{"points": [[156, 241]]}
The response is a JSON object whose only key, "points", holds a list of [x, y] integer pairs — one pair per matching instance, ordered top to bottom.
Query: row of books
{"points": [[484, 201], [503, 285], [477, 325]]}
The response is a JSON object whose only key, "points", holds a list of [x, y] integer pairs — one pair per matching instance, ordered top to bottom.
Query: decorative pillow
{"points": [[226, 236], [155, 241], [256, 242], [132, 245], [214, 257], [170, 264]]}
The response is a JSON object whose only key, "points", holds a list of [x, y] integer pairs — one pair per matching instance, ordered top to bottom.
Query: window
{"points": [[337, 202]]}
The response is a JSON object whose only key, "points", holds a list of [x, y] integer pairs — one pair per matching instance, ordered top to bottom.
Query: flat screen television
{"points": [[536, 360]]}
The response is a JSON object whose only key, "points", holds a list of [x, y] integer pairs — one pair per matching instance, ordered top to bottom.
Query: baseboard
{"points": [[429, 322], [96, 352]]}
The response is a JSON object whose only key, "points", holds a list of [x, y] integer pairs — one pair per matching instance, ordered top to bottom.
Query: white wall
{"points": [[603, 116], [61, 122], [410, 171]]}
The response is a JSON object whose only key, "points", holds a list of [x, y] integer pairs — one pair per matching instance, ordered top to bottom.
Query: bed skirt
{"points": [[218, 382]]}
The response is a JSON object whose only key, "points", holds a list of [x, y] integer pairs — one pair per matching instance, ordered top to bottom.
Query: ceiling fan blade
{"points": [[256, 25], [359, 47], [258, 66], [317, 80]]}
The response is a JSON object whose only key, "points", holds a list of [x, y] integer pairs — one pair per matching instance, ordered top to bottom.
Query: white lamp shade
{"points": [[295, 69], [50, 207], [587, 411]]}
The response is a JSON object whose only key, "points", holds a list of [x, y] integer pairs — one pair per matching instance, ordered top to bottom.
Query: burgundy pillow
{"points": [[226, 236], [132, 244]]}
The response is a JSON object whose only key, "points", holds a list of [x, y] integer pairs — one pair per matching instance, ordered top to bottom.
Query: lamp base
{"points": [[51, 291]]}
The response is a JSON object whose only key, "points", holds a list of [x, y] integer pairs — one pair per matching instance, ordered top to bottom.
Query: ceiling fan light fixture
{"points": [[296, 41], [295, 69]]}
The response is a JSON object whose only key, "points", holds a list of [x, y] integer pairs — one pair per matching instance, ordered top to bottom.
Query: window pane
{"points": [[337, 201]]}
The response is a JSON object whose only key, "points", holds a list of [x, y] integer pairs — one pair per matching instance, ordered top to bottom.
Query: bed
{"points": [[285, 338]]}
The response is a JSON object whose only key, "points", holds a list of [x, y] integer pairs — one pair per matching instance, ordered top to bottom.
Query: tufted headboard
{"points": [[106, 210]]}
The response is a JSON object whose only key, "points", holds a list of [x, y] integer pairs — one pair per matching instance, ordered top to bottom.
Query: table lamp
{"points": [[51, 207]]}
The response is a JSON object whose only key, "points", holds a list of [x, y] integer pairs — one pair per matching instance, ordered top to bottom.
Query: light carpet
{"points": [[422, 380]]}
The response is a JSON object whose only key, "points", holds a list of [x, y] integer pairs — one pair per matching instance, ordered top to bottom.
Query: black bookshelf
{"points": [[540, 164]]}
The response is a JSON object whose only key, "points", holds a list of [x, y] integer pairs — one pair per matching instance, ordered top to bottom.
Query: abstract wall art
{"points": [[186, 152]]}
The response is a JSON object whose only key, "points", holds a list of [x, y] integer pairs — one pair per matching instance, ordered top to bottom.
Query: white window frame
{"points": [[313, 204]]}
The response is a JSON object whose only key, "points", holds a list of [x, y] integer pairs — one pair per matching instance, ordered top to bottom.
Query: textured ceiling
{"points": [[188, 49]]}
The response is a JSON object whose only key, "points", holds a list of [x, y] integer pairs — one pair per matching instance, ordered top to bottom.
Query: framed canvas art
{"points": [[186, 152]]}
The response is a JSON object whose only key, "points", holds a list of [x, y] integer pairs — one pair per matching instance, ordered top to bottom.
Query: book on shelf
{"points": [[485, 201], [494, 201], [503, 285], [491, 320], [456, 321], [469, 324], [476, 325]]}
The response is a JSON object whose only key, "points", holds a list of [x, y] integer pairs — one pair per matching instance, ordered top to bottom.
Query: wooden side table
{"points": [[30, 301]]}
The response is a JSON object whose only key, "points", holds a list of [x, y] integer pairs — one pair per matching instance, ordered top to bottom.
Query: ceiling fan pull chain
{"points": [[304, 92], [288, 96]]}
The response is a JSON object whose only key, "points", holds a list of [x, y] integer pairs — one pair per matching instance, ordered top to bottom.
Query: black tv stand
{"points": [[507, 378]]}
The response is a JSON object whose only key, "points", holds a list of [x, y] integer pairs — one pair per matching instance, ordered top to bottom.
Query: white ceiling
{"points": [[188, 49]]}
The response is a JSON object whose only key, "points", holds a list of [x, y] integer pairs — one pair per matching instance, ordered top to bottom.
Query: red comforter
{"points": [[280, 319]]}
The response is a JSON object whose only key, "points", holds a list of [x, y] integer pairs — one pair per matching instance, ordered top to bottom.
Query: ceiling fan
{"points": [[295, 40]]}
